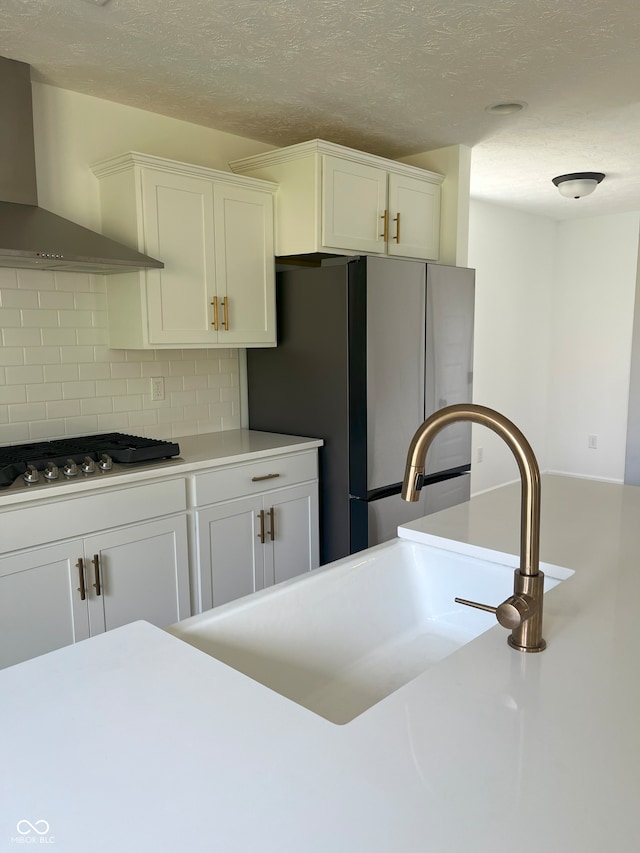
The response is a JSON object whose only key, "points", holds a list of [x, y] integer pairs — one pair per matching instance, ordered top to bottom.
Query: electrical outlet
{"points": [[157, 388], [592, 442], [479, 454]]}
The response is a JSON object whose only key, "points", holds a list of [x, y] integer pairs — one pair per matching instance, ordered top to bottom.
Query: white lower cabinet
{"points": [[254, 540], [71, 568], [61, 592]]}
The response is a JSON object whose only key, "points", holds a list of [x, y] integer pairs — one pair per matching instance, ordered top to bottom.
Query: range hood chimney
{"points": [[31, 237]]}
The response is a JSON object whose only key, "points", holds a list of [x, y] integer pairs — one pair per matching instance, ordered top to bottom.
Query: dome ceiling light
{"points": [[577, 184]]}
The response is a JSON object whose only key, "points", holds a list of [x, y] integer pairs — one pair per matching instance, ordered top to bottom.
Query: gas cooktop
{"points": [[66, 458]]}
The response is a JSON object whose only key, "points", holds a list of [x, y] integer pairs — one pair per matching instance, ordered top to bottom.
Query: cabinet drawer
{"points": [[254, 478], [55, 520]]}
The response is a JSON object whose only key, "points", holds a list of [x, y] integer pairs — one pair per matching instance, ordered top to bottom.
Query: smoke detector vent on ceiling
{"points": [[507, 108]]}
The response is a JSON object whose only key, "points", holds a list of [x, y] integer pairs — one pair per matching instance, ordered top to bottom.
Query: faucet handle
{"points": [[511, 613]]}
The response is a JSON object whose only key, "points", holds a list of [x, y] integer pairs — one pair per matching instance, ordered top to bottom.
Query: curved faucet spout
{"points": [[521, 449], [523, 610]]}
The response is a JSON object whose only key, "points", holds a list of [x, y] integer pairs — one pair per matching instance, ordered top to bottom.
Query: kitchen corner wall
{"points": [[554, 315], [58, 378]]}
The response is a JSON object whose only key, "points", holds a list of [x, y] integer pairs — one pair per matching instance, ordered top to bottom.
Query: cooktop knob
{"points": [[105, 463], [88, 465], [70, 469], [51, 472], [31, 475]]}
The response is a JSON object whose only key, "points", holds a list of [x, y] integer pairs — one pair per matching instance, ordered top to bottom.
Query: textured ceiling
{"points": [[394, 78]]}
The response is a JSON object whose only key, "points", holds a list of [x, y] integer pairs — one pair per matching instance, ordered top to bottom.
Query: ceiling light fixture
{"points": [[577, 184]]}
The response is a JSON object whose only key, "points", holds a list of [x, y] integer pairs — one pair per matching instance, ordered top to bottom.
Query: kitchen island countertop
{"points": [[135, 741]]}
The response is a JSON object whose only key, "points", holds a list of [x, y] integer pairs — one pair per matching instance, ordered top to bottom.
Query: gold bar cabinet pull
{"points": [[396, 219], [385, 226], [215, 313], [225, 313], [265, 477], [261, 520], [272, 524], [96, 568], [81, 588]]}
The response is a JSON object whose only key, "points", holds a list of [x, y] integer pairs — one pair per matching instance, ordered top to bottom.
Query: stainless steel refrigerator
{"points": [[368, 347]]}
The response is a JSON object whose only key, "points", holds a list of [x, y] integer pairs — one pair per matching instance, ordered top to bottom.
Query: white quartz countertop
{"points": [[197, 452], [135, 741]]}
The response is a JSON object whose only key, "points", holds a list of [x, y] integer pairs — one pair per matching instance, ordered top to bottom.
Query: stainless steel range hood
{"points": [[30, 236]]}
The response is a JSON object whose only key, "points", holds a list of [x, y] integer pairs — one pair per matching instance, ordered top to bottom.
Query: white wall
{"points": [[513, 255], [594, 294], [554, 316], [57, 376]]}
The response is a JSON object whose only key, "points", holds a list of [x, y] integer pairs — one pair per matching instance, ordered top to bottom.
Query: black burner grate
{"points": [[122, 448]]}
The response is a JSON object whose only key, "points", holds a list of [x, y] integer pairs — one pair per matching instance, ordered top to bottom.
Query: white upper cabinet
{"points": [[341, 201], [214, 233]]}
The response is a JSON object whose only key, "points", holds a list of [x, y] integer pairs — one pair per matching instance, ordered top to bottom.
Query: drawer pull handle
{"points": [[397, 221], [215, 313], [225, 313], [265, 477], [261, 520], [272, 524], [96, 567], [81, 589]]}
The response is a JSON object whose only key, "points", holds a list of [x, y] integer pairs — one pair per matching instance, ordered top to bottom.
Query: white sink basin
{"points": [[339, 640]]}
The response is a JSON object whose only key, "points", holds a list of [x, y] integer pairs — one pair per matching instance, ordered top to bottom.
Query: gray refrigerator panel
{"points": [[449, 359], [394, 363], [301, 387], [387, 514]]}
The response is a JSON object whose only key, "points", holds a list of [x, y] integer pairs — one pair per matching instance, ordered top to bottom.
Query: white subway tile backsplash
{"points": [[8, 278], [36, 280], [19, 299], [54, 299], [10, 318], [39, 318], [75, 319], [20, 337], [57, 338], [11, 355], [42, 355], [76, 355], [91, 370], [126, 370], [61, 373], [24, 375], [58, 377], [111, 387], [78, 390], [43, 393], [13, 394], [129, 403], [96, 406], [64, 409], [25, 412], [81, 426], [43, 430], [14, 433]]}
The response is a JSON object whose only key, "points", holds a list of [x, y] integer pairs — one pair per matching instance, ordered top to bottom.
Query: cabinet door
{"points": [[354, 199], [414, 218], [178, 227], [245, 267], [292, 532], [230, 551], [139, 572], [41, 608]]}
